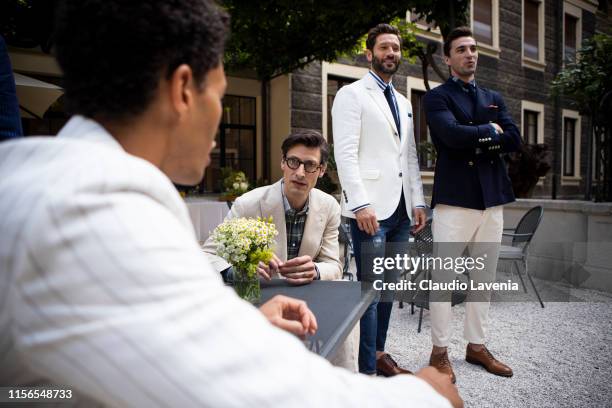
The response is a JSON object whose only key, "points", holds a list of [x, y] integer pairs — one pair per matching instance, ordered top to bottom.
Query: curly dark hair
{"points": [[378, 30], [457, 32], [114, 52], [308, 138]]}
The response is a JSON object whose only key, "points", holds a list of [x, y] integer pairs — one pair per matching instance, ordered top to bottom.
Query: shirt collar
{"points": [[379, 81], [463, 85], [82, 128], [287, 207]]}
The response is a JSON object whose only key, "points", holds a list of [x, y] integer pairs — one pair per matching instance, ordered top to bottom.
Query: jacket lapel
{"points": [[453, 88], [379, 98], [481, 113], [405, 120], [272, 205], [313, 229]]}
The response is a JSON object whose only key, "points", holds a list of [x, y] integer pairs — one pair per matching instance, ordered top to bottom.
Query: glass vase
{"points": [[248, 288]]}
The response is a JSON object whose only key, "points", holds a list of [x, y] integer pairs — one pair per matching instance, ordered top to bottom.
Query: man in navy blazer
{"points": [[10, 120], [470, 128]]}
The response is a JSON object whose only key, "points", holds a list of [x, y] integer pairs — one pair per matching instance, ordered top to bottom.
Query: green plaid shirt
{"points": [[294, 222]]}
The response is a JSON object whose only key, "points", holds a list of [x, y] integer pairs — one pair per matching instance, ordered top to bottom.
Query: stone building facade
{"points": [[522, 45], [508, 65]]}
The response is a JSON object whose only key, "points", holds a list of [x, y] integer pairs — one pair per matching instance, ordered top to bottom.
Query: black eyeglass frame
{"points": [[292, 161]]}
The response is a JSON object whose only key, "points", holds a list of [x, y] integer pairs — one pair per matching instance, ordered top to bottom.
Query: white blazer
{"points": [[373, 162]]}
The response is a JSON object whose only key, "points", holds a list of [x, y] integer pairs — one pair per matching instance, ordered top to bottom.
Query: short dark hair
{"points": [[378, 30], [458, 32], [114, 52], [308, 138]]}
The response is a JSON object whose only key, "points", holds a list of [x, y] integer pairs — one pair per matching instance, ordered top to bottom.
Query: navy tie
{"points": [[470, 89], [389, 99]]}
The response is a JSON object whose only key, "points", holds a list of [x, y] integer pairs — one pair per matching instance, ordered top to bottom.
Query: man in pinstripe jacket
{"points": [[103, 287]]}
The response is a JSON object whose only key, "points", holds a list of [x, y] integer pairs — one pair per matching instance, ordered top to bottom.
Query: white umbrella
{"points": [[35, 96]]}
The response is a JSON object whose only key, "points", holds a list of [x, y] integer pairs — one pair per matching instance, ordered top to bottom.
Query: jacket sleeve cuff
{"points": [[361, 207]]}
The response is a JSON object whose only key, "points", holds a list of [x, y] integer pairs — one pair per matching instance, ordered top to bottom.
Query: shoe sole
{"points": [[478, 363]]}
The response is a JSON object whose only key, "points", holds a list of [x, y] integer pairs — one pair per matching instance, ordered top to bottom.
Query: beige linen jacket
{"points": [[320, 239]]}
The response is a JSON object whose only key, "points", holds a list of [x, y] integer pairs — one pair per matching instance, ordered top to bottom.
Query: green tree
{"points": [[445, 15], [275, 37], [588, 83]]}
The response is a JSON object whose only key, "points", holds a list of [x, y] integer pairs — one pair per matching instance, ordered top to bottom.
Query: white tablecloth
{"points": [[206, 213]]}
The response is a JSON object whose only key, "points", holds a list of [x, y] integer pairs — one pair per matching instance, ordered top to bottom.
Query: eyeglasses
{"points": [[309, 166]]}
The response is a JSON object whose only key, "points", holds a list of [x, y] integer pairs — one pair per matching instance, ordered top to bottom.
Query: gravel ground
{"points": [[560, 355]]}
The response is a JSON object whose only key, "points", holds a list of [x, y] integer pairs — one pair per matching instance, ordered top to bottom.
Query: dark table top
{"points": [[337, 305]]}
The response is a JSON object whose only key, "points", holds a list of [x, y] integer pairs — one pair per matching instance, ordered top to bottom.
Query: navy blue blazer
{"points": [[10, 119], [470, 171]]}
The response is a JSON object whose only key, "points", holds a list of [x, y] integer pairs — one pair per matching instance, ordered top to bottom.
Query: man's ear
{"points": [[368, 55], [447, 60], [181, 88], [323, 170]]}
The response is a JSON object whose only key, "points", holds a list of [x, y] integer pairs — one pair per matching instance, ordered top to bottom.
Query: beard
{"points": [[379, 65]]}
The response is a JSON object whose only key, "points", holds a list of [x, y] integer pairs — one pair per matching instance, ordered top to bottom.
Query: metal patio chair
{"points": [[344, 236], [423, 245], [517, 252]]}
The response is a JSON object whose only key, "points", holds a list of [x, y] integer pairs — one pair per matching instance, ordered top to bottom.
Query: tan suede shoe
{"points": [[485, 358], [441, 362]]}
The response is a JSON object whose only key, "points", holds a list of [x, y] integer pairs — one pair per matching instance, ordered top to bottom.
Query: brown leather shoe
{"points": [[485, 358], [442, 363], [386, 366]]}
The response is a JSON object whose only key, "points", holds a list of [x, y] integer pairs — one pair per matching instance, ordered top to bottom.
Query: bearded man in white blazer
{"points": [[381, 184]]}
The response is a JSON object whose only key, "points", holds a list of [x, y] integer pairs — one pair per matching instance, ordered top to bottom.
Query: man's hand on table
{"points": [[266, 271], [298, 271], [290, 314], [442, 384]]}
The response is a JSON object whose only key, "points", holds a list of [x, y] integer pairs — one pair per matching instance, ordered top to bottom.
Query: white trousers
{"points": [[464, 225]]}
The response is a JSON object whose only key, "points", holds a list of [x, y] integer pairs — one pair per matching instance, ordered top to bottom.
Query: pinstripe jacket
{"points": [[104, 290]]}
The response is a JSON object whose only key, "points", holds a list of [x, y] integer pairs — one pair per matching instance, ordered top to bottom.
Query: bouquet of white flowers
{"points": [[244, 242]]}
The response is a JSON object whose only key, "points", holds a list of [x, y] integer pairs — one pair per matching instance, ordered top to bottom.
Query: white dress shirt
{"points": [[104, 289]]}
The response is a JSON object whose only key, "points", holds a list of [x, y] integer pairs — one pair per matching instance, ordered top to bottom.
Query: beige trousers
{"points": [[479, 231], [347, 354]]}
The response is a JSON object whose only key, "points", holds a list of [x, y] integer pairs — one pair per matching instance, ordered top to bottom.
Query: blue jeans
{"points": [[375, 321]]}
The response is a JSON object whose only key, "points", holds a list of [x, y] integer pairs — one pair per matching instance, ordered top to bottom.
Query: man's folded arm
{"points": [[450, 132], [511, 138]]}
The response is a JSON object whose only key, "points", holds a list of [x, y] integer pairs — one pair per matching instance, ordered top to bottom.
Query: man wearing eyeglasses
{"points": [[307, 219]]}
